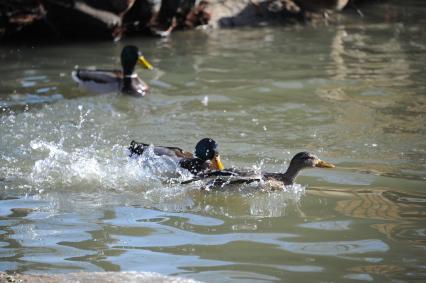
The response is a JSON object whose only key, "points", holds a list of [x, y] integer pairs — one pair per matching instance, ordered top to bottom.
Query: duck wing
{"points": [[97, 76], [101, 81], [137, 148], [194, 165], [227, 176], [275, 176]]}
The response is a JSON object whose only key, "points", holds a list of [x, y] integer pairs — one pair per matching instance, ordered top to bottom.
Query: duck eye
{"points": [[309, 158]]}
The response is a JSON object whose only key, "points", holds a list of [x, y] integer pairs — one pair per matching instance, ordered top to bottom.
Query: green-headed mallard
{"points": [[125, 81], [206, 155], [232, 176]]}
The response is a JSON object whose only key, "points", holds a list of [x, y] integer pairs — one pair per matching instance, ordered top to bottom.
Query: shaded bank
{"points": [[111, 19]]}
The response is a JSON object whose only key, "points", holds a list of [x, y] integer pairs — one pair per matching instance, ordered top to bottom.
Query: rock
{"points": [[318, 5], [232, 13], [16, 14], [197, 16], [87, 18], [113, 18], [96, 277]]}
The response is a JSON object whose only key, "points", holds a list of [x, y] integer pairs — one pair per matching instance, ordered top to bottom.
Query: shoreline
{"points": [[115, 19]]}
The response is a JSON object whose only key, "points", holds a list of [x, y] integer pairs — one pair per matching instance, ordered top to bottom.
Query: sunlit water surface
{"points": [[354, 94]]}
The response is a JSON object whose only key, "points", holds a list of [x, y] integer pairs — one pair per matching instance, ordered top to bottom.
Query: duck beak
{"points": [[145, 63], [216, 163], [323, 164]]}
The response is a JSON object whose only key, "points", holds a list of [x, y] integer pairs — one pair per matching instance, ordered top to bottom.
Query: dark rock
{"points": [[318, 5], [16, 14], [113, 18]]}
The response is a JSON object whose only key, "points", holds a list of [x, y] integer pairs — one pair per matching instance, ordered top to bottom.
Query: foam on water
{"points": [[59, 155], [65, 158], [84, 167], [274, 204]]}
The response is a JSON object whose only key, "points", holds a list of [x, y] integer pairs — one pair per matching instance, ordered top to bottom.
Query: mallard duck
{"points": [[125, 81], [206, 155], [232, 176]]}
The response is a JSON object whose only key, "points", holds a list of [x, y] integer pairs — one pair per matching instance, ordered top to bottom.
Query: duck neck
{"points": [[128, 67], [128, 74], [127, 81], [289, 177]]}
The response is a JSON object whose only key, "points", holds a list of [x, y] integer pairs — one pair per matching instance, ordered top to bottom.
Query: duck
{"points": [[125, 81], [205, 158], [235, 176]]}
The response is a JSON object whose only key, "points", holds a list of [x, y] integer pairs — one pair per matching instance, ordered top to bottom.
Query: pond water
{"points": [[354, 94]]}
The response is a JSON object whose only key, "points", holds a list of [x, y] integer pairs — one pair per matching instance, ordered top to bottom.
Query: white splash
{"points": [[205, 101], [83, 166]]}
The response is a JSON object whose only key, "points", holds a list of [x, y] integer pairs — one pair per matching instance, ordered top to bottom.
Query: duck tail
{"points": [[75, 76], [137, 148]]}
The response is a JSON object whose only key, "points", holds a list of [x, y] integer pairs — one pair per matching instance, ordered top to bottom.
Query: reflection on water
{"points": [[72, 200], [406, 211], [402, 213], [198, 242]]}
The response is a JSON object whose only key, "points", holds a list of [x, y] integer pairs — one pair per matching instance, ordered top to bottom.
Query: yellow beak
{"points": [[145, 63], [216, 163], [323, 164]]}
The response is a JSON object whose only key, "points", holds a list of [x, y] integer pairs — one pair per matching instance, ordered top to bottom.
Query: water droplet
{"points": [[205, 101]]}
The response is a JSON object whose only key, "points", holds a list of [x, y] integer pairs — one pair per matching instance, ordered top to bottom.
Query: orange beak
{"points": [[145, 63], [216, 163], [323, 164]]}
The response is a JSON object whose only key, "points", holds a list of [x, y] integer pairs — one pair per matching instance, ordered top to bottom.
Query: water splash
{"points": [[68, 158], [84, 167], [275, 203]]}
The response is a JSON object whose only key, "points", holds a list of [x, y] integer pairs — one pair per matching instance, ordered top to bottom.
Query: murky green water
{"points": [[355, 94]]}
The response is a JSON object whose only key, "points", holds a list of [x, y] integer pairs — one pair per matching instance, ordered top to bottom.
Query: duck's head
{"points": [[130, 55], [207, 149], [304, 160]]}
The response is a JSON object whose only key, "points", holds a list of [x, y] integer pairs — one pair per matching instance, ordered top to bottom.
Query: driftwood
{"points": [[113, 18]]}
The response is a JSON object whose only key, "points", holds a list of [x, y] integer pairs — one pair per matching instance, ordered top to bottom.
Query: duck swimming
{"points": [[125, 81], [206, 155], [232, 176]]}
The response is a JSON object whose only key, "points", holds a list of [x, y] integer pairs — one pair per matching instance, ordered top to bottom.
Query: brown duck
{"points": [[232, 176]]}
